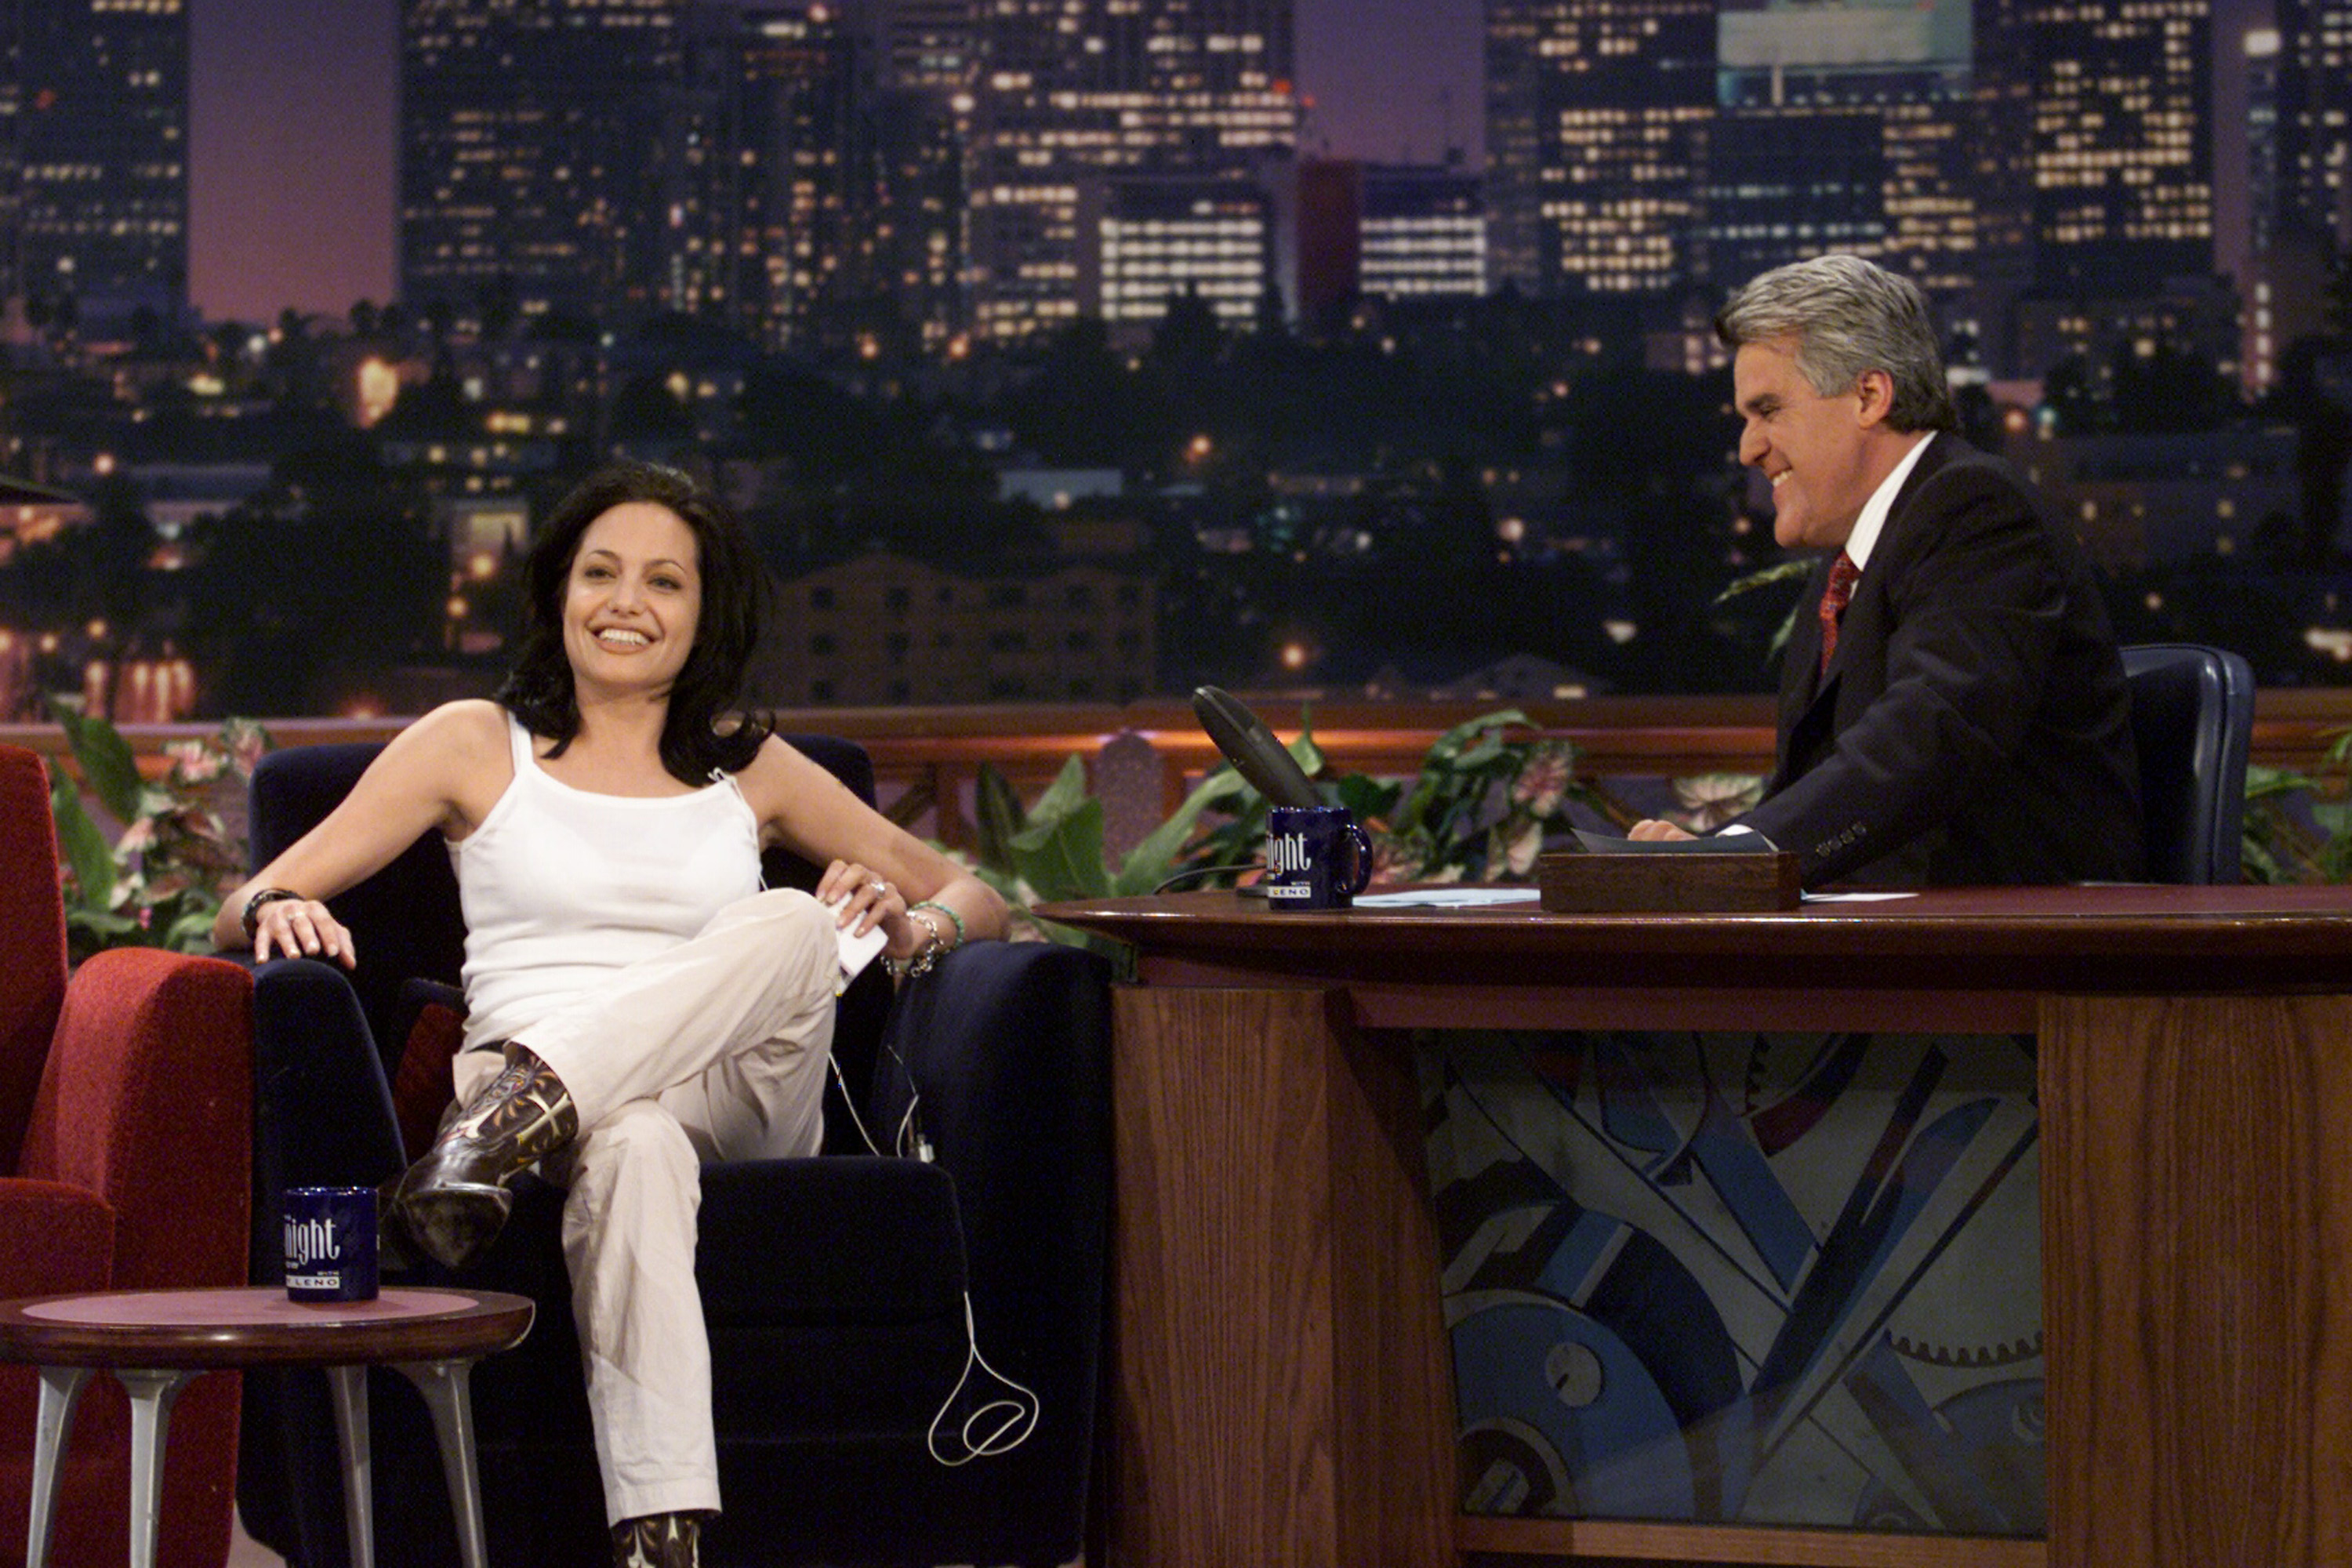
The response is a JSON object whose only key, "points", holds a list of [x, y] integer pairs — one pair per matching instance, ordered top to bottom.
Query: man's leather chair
{"points": [[2193, 724], [122, 1140], [834, 1287]]}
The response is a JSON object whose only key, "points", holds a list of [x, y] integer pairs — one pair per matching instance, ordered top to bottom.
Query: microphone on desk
{"points": [[1261, 760]]}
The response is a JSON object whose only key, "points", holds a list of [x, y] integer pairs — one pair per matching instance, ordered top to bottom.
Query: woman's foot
{"points": [[453, 1202], [658, 1540]]}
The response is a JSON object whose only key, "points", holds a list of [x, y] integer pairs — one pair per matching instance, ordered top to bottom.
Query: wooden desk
{"points": [[1284, 1393]]}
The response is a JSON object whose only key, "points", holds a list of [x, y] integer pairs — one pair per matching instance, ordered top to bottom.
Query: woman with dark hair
{"points": [[637, 1003]]}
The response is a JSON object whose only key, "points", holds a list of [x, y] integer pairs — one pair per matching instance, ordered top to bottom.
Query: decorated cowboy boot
{"points": [[454, 1201], [658, 1540]]}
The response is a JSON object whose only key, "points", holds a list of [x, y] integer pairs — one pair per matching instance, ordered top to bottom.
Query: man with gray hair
{"points": [[1952, 706]]}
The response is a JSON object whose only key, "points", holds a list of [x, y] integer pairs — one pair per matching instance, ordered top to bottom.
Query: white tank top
{"points": [[561, 885]]}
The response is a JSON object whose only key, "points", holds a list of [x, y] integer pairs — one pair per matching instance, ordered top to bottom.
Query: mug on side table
{"points": [[1316, 857], [330, 1253]]}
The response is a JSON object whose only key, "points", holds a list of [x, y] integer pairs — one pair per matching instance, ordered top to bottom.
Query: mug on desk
{"points": [[1316, 857], [330, 1252]]}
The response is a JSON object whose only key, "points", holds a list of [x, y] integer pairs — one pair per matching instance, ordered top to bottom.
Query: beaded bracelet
{"points": [[945, 909], [251, 919]]}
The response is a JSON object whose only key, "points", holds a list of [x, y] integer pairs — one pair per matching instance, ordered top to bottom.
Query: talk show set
{"points": [[1141, 783]]}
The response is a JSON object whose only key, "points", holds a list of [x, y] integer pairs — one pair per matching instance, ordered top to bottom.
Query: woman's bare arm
{"points": [[444, 770]]}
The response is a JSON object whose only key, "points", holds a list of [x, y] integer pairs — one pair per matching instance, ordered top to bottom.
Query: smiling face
{"points": [[1824, 455], [632, 600]]}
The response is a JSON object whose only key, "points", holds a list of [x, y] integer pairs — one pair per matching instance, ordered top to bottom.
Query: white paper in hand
{"points": [[856, 951]]}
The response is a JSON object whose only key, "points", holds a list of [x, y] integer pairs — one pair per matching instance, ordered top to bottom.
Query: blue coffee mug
{"points": [[1316, 857], [330, 1254]]}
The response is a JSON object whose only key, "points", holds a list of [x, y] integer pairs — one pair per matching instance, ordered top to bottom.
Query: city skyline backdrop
{"points": [[292, 171]]}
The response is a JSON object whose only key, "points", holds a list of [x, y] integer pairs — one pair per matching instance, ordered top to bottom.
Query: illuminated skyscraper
{"points": [[929, 63], [1071, 92], [2314, 119], [1597, 120], [2122, 142], [1644, 146], [532, 154], [94, 157], [804, 159], [1424, 233]]}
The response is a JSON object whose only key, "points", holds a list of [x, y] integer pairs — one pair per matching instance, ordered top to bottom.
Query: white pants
{"points": [[714, 1050]]}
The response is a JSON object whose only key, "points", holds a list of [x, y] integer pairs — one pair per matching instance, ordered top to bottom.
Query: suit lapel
{"points": [[1805, 686]]}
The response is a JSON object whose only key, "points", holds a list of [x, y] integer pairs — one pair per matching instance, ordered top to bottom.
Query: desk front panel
{"points": [[2152, 1366]]}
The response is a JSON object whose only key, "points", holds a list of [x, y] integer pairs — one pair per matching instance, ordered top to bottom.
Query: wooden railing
{"points": [[929, 757]]}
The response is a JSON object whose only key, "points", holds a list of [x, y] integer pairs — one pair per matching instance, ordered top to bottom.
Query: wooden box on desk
{"points": [[1588, 883]]}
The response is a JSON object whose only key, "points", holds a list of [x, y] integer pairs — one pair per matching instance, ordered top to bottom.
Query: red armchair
{"points": [[125, 1110]]}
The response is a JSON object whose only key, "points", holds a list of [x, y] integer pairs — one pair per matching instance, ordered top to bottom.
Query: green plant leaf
{"points": [[1764, 577], [108, 769], [2262, 781], [1062, 796], [1368, 798], [997, 805], [86, 852], [1062, 858], [1149, 862], [108, 926], [191, 930]]}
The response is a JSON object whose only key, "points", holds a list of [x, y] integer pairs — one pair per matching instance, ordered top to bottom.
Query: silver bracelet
{"points": [[947, 909], [926, 957]]}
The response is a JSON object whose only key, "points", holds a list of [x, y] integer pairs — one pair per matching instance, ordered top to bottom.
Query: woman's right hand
{"points": [[301, 928]]}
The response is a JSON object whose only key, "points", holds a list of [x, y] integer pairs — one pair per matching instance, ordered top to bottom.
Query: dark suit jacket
{"points": [[1974, 727]]}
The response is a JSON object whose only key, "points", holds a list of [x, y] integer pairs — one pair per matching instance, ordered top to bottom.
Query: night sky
{"points": [[294, 99]]}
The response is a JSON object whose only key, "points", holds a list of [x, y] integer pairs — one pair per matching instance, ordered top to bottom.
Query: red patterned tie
{"points": [[1843, 573]]}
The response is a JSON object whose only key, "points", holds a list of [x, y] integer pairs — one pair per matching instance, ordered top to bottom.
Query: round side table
{"points": [[155, 1341]]}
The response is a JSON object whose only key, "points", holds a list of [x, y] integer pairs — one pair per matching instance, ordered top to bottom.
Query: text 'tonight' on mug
{"points": [[1316, 857], [330, 1253]]}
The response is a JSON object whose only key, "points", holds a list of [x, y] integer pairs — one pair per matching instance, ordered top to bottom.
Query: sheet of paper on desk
{"points": [[1855, 897], [1448, 899]]}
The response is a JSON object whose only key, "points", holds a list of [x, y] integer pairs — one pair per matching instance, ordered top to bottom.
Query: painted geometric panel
{"points": [[1751, 1278]]}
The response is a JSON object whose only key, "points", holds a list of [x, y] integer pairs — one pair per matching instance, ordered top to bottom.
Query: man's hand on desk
{"points": [[1655, 829]]}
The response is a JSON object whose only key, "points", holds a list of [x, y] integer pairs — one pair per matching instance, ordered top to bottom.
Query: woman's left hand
{"points": [[863, 898]]}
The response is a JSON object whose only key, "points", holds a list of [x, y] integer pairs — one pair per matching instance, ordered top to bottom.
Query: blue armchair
{"points": [[834, 1287]]}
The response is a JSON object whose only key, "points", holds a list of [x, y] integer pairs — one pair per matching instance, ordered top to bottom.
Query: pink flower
{"points": [[244, 742], [195, 761], [1543, 781], [138, 836]]}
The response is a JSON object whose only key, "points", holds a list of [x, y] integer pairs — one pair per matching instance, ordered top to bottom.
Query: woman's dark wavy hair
{"points": [[539, 691]]}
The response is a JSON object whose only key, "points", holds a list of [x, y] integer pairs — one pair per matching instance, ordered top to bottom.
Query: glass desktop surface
{"points": [[1742, 1279]]}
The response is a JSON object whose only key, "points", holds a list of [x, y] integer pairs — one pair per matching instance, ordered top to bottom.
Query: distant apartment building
{"points": [[1071, 93], [531, 150], [94, 159], [1388, 231], [1151, 239], [2195, 316], [2147, 500], [884, 629]]}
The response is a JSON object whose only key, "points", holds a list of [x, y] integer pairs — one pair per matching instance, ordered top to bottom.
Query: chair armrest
{"points": [[1010, 1046], [149, 1069], [322, 1113], [53, 1238]]}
